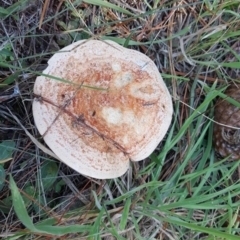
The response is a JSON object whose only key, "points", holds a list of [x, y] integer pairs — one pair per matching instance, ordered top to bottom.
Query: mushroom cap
{"points": [[111, 106]]}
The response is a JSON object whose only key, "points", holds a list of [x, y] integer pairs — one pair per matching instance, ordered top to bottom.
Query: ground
{"points": [[183, 190]]}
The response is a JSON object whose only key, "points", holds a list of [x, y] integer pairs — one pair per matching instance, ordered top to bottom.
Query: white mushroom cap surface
{"points": [[97, 130]]}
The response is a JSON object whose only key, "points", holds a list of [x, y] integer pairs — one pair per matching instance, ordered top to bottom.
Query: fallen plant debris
{"points": [[10, 96]]}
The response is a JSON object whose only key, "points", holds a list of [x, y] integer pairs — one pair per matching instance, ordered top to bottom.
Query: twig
{"points": [[79, 120]]}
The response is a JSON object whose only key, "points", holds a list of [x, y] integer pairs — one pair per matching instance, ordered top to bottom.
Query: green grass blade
{"points": [[108, 5], [125, 214], [62, 230]]}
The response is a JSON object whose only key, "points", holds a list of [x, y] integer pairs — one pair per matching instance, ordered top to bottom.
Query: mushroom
{"points": [[98, 104]]}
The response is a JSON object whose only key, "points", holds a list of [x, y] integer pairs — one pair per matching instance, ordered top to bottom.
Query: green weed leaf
{"points": [[6, 150], [48, 176], [2, 177], [6, 204], [19, 206], [23, 216]]}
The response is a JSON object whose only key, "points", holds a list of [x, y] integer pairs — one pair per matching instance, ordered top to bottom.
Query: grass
{"points": [[182, 191]]}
